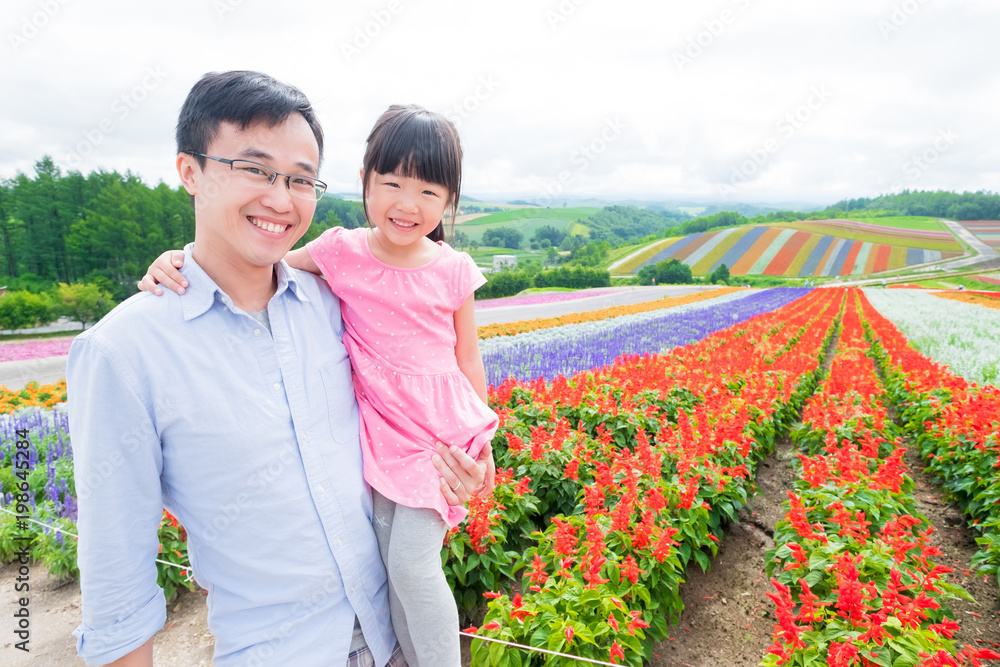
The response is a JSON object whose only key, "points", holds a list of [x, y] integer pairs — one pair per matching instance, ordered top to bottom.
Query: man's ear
{"points": [[188, 169]]}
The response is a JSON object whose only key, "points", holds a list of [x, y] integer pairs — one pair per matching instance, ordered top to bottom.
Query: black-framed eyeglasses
{"points": [[258, 175]]}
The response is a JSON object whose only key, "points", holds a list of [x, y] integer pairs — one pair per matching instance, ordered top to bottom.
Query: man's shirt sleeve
{"points": [[117, 464]]}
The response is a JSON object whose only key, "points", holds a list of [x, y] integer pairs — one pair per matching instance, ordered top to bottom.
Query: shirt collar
{"points": [[202, 291]]}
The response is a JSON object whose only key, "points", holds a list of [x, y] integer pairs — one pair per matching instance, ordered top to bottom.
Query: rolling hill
{"points": [[808, 248]]}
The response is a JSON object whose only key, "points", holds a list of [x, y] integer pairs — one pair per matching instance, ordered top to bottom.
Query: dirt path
{"points": [[54, 610], [727, 617], [980, 620]]}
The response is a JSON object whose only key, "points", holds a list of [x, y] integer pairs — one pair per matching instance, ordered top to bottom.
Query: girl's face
{"points": [[405, 209]]}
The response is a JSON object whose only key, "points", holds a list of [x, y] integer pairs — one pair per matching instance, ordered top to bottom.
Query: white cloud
{"points": [[533, 84]]}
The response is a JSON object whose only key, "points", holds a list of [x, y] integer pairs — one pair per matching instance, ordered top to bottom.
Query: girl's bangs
{"points": [[415, 150]]}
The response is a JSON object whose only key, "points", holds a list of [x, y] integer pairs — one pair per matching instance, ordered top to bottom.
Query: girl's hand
{"points": [[163, 271], [462, 476]]}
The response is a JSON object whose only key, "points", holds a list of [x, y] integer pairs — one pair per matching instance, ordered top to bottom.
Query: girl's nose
{"points": [[408, 203]]}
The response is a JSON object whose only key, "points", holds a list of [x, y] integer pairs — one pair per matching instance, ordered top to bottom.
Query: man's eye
{"points": [[256, 171], [303, 181]]}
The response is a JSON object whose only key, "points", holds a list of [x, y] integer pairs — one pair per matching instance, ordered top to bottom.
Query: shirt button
{"points": [[256, 332], [276, 386], [320, 489], [338, 542], [352, 588]]}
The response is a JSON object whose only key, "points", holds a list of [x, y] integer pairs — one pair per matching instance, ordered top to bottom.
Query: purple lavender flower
{"points": [[573, 348]]}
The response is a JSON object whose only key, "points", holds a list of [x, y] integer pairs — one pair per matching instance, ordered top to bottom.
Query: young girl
{"points": [[407, 303]]}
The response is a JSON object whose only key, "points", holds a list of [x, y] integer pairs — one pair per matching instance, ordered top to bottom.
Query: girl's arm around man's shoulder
{"points": [[301, 259]]}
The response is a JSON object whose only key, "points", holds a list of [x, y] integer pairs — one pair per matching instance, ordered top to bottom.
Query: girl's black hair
{"points": [[411, 141]]}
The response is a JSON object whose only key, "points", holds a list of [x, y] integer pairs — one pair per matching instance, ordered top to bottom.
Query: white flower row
{"points": [[964, 336]]}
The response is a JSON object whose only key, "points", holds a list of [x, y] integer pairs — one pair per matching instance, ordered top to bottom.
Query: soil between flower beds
{"points": [[980, 621]]}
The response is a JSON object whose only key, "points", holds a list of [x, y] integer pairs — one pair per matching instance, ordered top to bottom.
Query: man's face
{"points": [[239, 227]]}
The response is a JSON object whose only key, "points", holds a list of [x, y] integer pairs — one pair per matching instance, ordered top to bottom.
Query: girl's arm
{"points": [[300, 259], [165, 270], [467, 347], [470, 361]]}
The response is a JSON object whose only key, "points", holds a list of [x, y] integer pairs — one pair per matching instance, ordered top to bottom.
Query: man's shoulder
{"points": [[134, 317]]}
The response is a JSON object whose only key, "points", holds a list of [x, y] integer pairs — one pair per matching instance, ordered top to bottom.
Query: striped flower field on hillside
{"points": [[987, 231], [809, 248]]}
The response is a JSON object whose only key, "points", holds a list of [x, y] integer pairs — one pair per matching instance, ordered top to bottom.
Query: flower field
{"points": [[987, 231], [809, 248], [550, 297], [987, 299], [525, 326], [962, 336], [34, 349], [565, 350], [628, 444], [852, 552]]}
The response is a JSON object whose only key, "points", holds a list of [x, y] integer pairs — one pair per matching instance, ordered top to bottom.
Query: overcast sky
{"points": [[719, 100]]}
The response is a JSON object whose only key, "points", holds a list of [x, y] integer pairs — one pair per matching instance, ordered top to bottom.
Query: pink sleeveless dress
{"points": [[400, 335]]}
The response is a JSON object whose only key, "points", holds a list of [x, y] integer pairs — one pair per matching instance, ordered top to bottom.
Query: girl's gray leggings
{"points": [[421, 604]]}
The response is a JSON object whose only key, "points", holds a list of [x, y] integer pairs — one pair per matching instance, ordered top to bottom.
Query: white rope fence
{"points": [[189, 576], [467, 634]]}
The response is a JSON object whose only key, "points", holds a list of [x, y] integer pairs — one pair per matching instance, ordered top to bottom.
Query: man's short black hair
{"points": [[241, 98]]}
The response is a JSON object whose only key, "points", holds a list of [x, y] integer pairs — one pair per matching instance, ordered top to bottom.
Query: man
{"points": [[233, 407]]}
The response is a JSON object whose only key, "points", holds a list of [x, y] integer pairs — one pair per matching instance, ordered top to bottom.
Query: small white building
{"points": [[501, 262]]}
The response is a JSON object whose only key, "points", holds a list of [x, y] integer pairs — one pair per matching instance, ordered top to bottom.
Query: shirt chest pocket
{"points": [[340, 406]]}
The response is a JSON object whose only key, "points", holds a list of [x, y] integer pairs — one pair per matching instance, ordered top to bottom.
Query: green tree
{"points": [[548, 233], [503, 237], [594, 253], [667, 272], [720, 275], [84, 302], [22, 310]]}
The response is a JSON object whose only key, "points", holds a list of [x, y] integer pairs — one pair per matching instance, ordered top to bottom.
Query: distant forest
{"points": [[951, 205], [103, 228], [106, 228]]}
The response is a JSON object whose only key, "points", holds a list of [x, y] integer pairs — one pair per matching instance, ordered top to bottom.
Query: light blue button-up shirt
{"points": [[250, 438]]}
